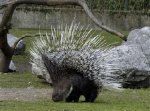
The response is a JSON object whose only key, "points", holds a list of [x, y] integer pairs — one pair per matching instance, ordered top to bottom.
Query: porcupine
{"points": [[73, 60]]}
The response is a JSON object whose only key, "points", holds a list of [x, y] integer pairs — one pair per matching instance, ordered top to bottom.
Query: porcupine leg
{"points": [[91, 96], [73, 98], [76, 98]]}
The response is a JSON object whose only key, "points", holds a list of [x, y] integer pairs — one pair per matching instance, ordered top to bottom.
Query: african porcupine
{"points": [[73, 59], [71, 84]]}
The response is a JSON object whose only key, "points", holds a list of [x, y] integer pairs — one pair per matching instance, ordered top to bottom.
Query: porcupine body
{"points": [[73, 59]]}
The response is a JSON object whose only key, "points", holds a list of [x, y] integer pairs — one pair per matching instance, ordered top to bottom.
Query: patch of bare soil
{"points": [[26, 94]]}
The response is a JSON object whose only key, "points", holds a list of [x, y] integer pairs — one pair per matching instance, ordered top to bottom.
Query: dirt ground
{"points": [[26, 94]]}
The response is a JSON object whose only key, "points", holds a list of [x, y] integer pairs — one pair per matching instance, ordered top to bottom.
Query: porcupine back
{"points": [[77, 48]]}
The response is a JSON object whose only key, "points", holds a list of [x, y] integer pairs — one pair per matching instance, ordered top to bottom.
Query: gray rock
{"points": [[141, 37], [20, 46], [133, 54], [129, 57], [12, 67], [41, 72], [137, 79]]}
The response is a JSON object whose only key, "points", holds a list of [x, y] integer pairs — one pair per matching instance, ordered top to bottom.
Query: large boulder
{"points": [[141, 37], [133, 58], [40, 71]]}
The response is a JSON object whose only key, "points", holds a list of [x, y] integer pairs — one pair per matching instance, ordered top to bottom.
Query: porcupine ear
{"points": [[51, 67]]}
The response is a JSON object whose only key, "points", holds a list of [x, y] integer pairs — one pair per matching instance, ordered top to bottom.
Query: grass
{"points": [[21, 80], [128, 100]]}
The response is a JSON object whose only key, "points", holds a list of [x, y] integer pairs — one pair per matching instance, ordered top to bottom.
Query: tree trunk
{"points": [[6, 52], [4, 62]]}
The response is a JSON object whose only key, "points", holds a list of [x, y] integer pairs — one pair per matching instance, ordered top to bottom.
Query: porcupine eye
{"points": [[61, 90]]}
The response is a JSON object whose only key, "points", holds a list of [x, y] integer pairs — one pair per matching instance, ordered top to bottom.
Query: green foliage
{"points": [[106, 4], [118, 4]]}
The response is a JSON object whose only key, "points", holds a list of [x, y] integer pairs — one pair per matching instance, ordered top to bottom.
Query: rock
{"points": [[141, 37], [20, 46], [133, 54], [129, 57], [12, 67], [42, 74], [137, 79]]}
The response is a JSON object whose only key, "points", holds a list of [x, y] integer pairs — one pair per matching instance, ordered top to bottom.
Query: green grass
{"points": [[21, 58], [21, 80], [128, 100]]}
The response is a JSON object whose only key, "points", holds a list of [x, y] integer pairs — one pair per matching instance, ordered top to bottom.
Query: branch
{"points": [[14, 3], [98, 23], [26, 36]]}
